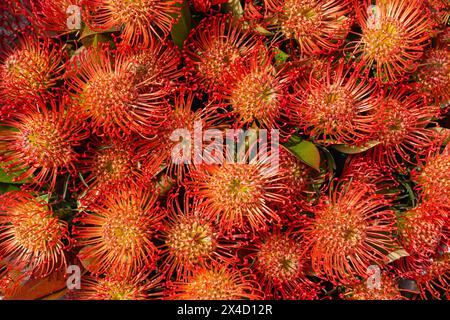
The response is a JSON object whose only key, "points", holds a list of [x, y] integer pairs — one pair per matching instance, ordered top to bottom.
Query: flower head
{"points": [[143, 22], [318, 26], [394, 34], [214, 46], [335, 108], [41, 142], [352, 229], [118, 231], [30, 236], [216, 283], [389, 290]]}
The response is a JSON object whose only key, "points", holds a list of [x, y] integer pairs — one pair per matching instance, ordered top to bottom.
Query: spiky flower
{"points": [[205, 5], [142, 22], [318, 26], [394, 34], [214, 46], [30, 69], [434, 74], [257, 91], [116, 98], [335, 108], [401, 120], [41, 142], [433, 176], [237, 194], [422, 228], [352, 229], [117, 232], [31, 237], [191, 240], [280, 266], [216, 283], [115, 287], [388, 290]]}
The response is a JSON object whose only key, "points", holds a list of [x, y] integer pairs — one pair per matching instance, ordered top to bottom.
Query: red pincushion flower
{"points": [[143, 22], [318, 26], [394, 34], [213, 47], [28, 70], [434, 74], [256, 90], [122, 95], [336, 108], [402, 119], [41, 143], [237, 194], [353, 229], [117, 232], [31, 237], [191, 240], [281, 267], [216, 283], [115, 287], [389, 290]]}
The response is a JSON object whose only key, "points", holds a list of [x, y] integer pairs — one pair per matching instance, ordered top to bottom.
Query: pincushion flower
{"points": [[205, 5], [142, 22], [318, 26], [394, 35], [213, 47], [28, 70], [434, 74], [257, 91], [115, 97], [336, 108], [402, 119], [40, 142], [237, 194], [423, 228], [353, 229], [117, 232], [31, 237], [191, 240], [280, 266], [218, 282], [115, 287], [389, 290]]}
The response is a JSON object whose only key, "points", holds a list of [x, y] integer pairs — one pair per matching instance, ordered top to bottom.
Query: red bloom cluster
{"points": [[214, 149]]}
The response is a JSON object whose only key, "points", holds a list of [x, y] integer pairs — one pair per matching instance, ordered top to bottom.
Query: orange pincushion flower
{"points": [[51, 16], [143, 22], [317, 25], [394, 34], [214, 46], [29, 70], [434, 74], [256, 90], [116, 98], [336, 108], [401, 119], [41, 143], [237, 194], [422, 228], [352, 230], [117, 232], [30, 236], [191, 241], [281, 268], [216, 283], [115, 287], [388, 290]]}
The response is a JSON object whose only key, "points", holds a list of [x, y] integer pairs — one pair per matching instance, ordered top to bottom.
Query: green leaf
{"points": [[234, 7], [180, 30], [281, 56], [354, 150], [306, 151], [8, 178]]}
